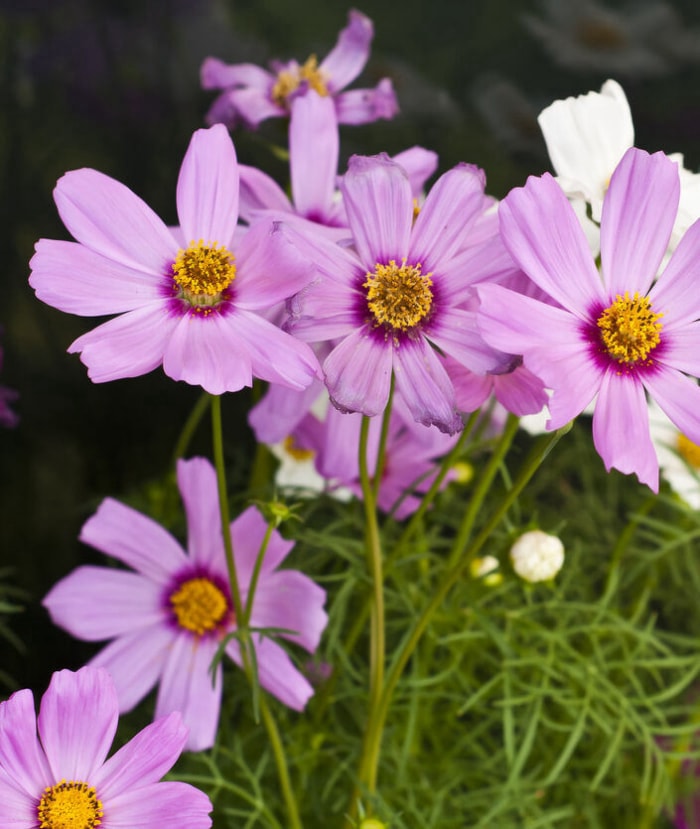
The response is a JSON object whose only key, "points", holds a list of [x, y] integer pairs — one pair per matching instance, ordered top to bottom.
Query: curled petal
{"points": [[348, 57]]}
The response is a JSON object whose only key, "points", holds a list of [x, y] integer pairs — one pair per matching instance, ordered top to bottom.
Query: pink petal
{"points": [[348, 57], [215, 74], [251, 105], [362, 106], [313, 155], [419, 165], [207, 188], [259, 192], [453, 203], [379, 206], [639, 211], [107, 217], [543, 235], [488, 260], [75, 279], [675, 293], [456, 333], [126, 346], [681, 348], [207, 351], [275, 355], [358, 373], [425, 387], [471, 390], [520, 392], [679, 397], [281, 409], [621, 428], [196, 480], [247, 533], [136, 540], [289, 599], [97, 603], [135, 662], [186, 686], [77, 722], [21, 755], [143, 760], [175, 805], [18, 807]]}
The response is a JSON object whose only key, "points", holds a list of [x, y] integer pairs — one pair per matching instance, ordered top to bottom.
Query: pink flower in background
{"points": [[252, 94], [398, 293], [195, 307], [616, 337], [8, 418], [168, 617], [62, 778]]}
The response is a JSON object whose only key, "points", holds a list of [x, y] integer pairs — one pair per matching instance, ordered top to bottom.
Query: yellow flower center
{"points": [[289, 80], [203, 272], [399, 295], [630, 329], [295, 451], [689, 451], [199, 605], [70, 805]]}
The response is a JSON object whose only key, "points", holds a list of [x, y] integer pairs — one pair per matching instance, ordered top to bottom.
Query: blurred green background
{"points": [[115, 86]]}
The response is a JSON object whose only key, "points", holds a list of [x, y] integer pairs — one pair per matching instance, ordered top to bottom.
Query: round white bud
{"points": [[537, 556]]}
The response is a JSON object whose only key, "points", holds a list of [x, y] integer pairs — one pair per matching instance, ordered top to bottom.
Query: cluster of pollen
{"points": [[289, 80], [202, 272], [399, 296], [630, 330], [292, 448], [689, 451], [199, 605], [71, 805]]}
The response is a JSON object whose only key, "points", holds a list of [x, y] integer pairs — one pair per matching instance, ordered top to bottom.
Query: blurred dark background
{"points": [[115, 86]]}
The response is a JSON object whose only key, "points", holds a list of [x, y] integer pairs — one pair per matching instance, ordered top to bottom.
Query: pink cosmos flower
{"points": [[252, 94], [397, 294], [195, 306], [618, 336], [168, 617], [62, 777]]}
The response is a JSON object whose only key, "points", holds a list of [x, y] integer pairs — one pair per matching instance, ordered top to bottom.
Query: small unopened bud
{"points": [[537, 556], [486, 568], [372, 823]]}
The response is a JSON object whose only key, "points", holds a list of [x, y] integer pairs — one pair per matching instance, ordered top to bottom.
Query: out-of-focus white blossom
{"points": [[537, 556]]}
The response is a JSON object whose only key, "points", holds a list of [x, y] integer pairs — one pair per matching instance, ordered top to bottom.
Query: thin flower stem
{"points": [[190, 427], [381, 451], [256, 573], [273, 735], [372, 746]]}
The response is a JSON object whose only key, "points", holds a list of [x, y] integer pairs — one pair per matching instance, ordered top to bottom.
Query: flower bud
{"points": [[537, 556]]}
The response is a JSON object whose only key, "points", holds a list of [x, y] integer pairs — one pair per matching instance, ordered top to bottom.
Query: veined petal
{"points": [[348, 57], [313, 155], [419, 165], [207, 188], [259, 192], [379, 204], [451, 206], [639, 211], [107, 217], [541, 231], [487, 261], [333, 262], [77, 280], [675, 293], [455, 332], [127, 346], [681, 349], [207, 351], [358, 373], [425, 387], [520, 392], [679, 397], [621, 428], [196, 480], [136, 540], [290, 599], [97, 603], [135, 662], [277, 673], [186, 686], [77, 722], [21, 755], [144, 759], [175, 805], [19, 808]]}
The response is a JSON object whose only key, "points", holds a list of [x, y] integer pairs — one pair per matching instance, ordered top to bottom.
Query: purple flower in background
{"points": [[252, 94], [398, 293], [195, 306], [615, 337], [7, 416], [167, 619], [62, 777]]}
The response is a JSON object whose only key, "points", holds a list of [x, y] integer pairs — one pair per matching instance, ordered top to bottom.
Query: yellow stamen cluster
{"points": [[289, 80], [202, 273], [399, 296], [629, 329], [295, 451], [689, 451], [199, 605], [71, 805]]}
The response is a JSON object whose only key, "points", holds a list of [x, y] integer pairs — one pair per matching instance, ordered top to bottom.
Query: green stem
{"points": [[190, 427], [381, 451], [256, 573], [273, 735], [372, 746]]}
